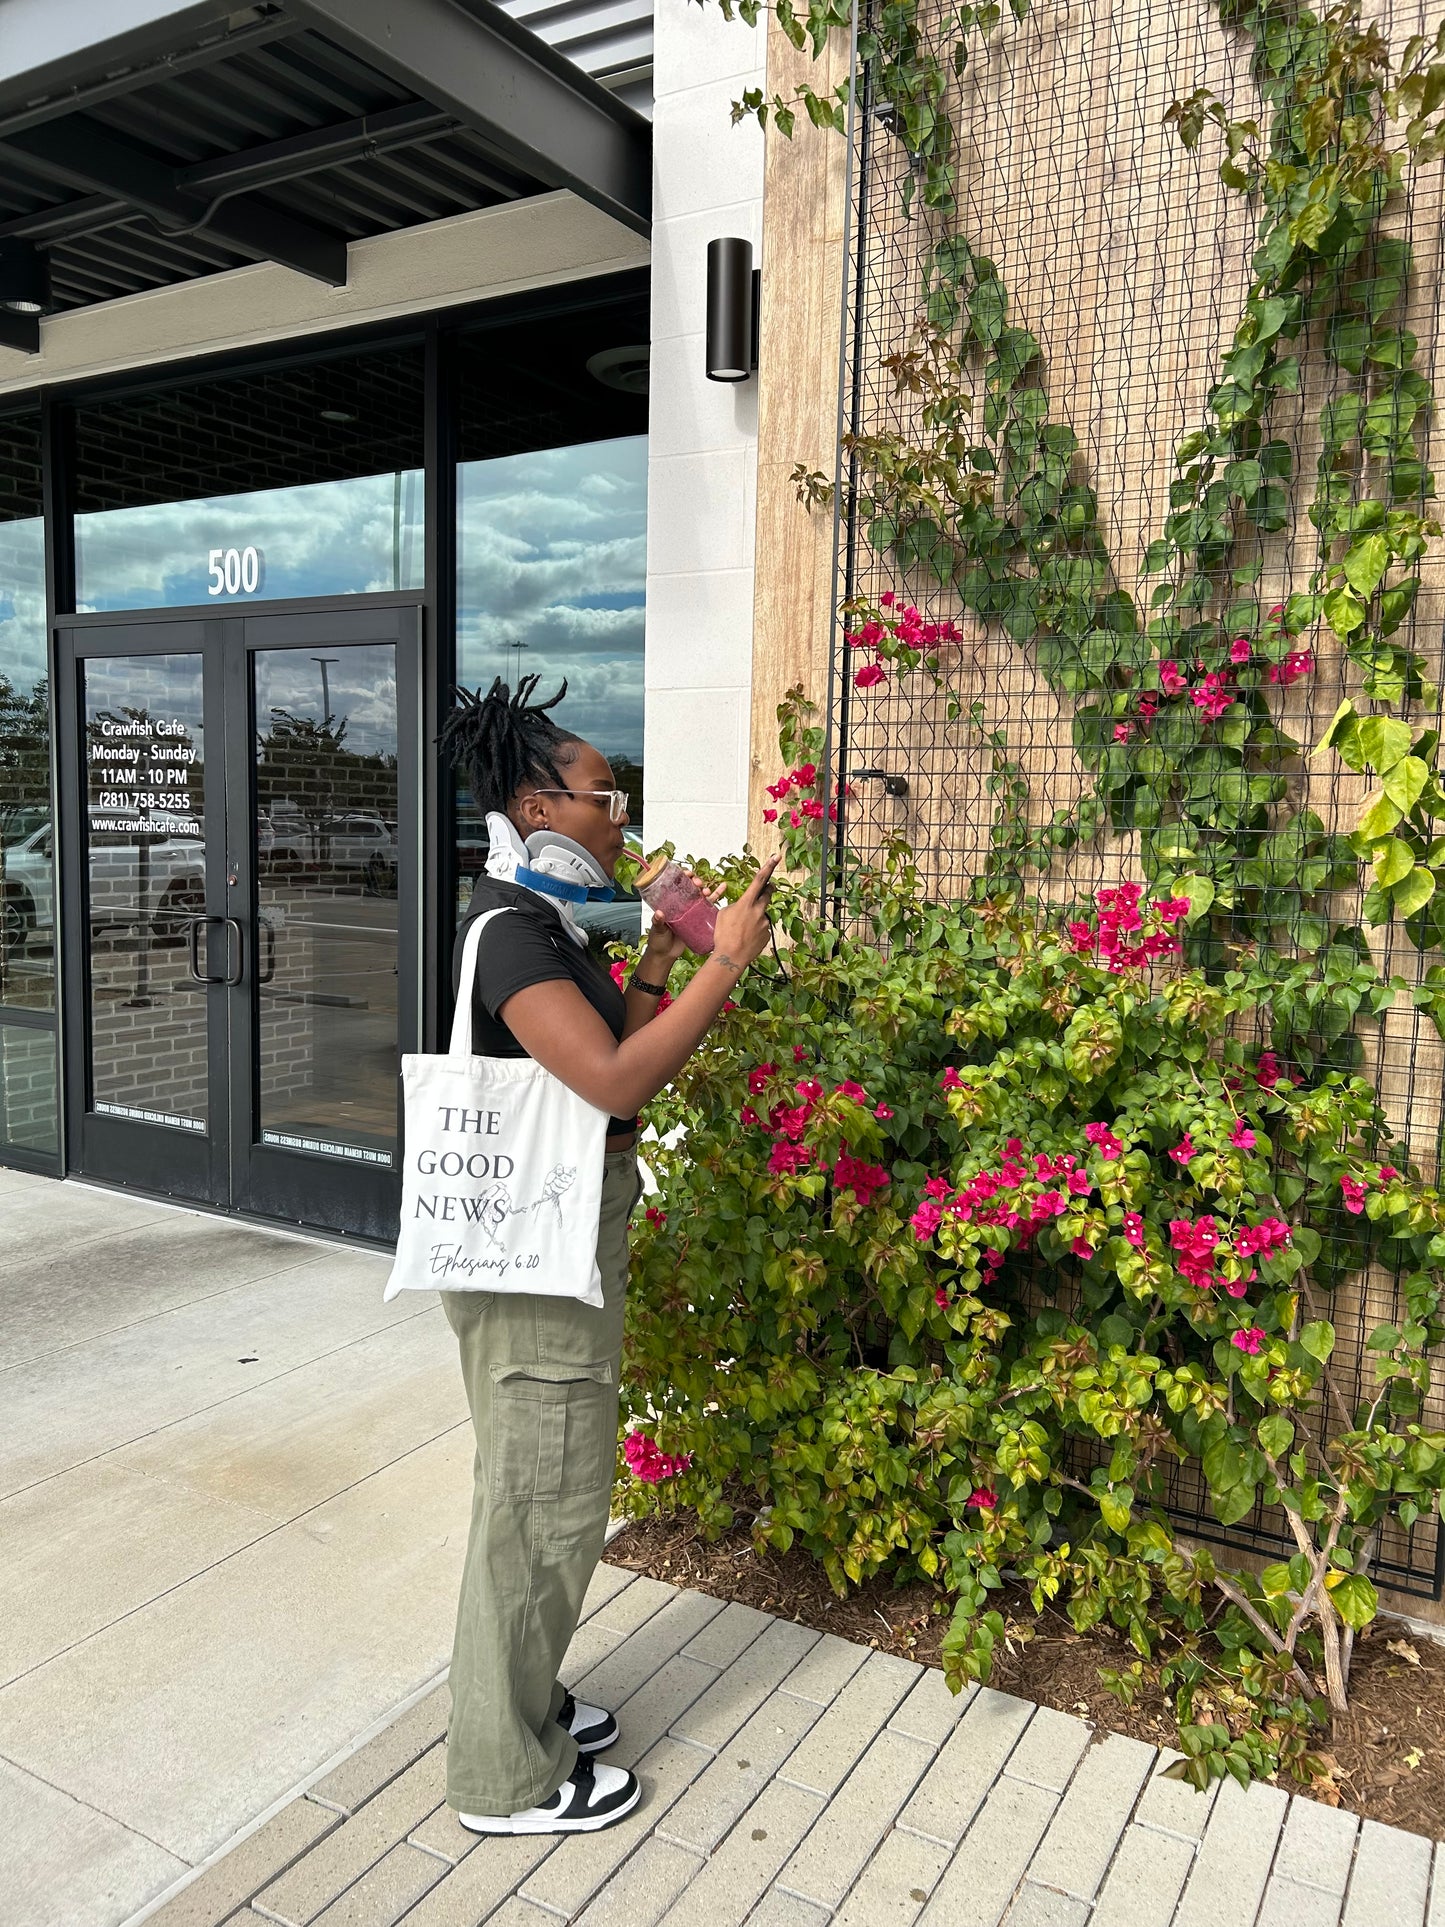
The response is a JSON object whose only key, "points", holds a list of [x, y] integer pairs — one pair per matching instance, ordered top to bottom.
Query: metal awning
{"points": [[145, 142]]}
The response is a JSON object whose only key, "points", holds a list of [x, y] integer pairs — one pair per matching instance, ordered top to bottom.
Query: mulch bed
{"points": [[1386, 1758]]}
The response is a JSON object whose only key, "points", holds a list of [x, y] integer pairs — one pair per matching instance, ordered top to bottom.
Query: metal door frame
{"points": [[226, 1169]]}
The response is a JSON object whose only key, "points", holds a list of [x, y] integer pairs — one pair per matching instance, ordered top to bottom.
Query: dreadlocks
{"points": [[503, 741]]}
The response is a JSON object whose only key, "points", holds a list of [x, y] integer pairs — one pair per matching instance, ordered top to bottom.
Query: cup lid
{"points": [[652, 870]]}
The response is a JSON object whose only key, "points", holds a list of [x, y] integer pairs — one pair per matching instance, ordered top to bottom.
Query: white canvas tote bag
{"points": [[502, 1180]]}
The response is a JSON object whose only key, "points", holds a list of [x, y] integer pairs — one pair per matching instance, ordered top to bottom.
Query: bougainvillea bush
{"points": [[978, 1222]]}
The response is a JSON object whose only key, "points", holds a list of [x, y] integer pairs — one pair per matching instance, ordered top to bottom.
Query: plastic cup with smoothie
{"points": [[669, 892]]}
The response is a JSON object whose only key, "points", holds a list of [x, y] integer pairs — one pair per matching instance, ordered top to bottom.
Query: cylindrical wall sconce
{"points": [[732, 342]]}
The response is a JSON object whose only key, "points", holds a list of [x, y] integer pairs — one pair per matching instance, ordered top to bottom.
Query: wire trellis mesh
{"points": [[1129, 262]]}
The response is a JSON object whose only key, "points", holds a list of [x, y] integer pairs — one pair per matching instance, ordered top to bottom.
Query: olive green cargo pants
{"points": [[541, 1377]]}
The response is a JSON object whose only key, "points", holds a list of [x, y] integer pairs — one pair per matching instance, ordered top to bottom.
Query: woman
{"points": [[542, 1373]]}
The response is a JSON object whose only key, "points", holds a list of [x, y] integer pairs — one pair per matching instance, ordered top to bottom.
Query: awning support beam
{"points": [[530, 104], [82, 154]]}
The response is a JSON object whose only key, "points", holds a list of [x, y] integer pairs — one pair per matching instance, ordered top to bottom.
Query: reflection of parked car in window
{"points": [[351, 843], [129, 879], [163, 883], [29, 895]]}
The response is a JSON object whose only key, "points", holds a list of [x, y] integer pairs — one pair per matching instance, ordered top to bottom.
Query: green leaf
{"points": [[987, 309], [1365, 562], [1343, 613], [1384, 741], [1405, 782], [1393, 863], [1414, 893], [1318, 1339], [1276, 1434], [1116, 1507], [1353, 1598]]}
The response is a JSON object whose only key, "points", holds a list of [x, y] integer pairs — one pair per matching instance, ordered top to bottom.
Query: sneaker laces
{"points": [[584, 1773]]}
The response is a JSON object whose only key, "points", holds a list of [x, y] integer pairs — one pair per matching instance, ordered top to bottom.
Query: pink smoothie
{"points": [[672, 894]]}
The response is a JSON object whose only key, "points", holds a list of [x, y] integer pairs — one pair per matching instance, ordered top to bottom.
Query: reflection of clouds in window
{"points": [[324, 538], [552, 554], [22, 601], [361, 683]]}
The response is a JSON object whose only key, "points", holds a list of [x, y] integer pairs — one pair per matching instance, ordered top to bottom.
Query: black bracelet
{"points": [[648, 990]]}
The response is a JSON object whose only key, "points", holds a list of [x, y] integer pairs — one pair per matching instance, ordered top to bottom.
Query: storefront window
{"points": [[300, 481], [551, 536], [27, 874]]}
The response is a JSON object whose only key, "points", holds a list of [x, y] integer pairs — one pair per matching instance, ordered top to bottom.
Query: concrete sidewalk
{"points": [[234, 1493], [792, 1780]]}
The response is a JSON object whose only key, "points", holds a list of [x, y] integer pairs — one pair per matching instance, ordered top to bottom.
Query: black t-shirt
{"points": [[529, 945]]}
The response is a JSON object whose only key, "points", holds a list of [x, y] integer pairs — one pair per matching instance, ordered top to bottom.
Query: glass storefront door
{"points": [[241, 861]]}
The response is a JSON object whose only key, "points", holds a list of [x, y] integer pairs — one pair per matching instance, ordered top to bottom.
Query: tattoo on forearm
{"points": [[719, 956]]}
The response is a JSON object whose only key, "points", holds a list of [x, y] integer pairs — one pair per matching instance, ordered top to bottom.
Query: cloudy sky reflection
{"points": [[552, 554]]}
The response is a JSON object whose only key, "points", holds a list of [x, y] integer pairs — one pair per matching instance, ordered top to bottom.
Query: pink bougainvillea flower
{"points": [[1239, 649], [1299, 662], [870, 675], [1171, 678], [1213, 695], [1148, 705], [1122, 732], [806, 773], [780, 789], [813, 810], [770, 816], [1171, 909], [619, 974], [800, 1053], [1267, 1072], [758, 1078], [951, 1080], [849, 1089], [882, 1110], [747, 1115], [1241, 1137], [1103, 1141], [1183, 1151], [787, 1160], [1387, 1171], [863, 1180], [1080, 1183], [938, 1188], [1354, 1190], [654, 1216], [926, 1220], [1134, 1230], [1259, 1240], [1081, 1248], [992, 1259], [1236, 1287], [940, 1298], [1248, 1339], [648, 1462], [983, 1498]]}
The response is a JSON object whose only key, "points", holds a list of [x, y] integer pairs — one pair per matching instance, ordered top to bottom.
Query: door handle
{"points": [[193, 939]]}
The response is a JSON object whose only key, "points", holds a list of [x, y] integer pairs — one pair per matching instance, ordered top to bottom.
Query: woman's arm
{"points": [[555, 1024]]}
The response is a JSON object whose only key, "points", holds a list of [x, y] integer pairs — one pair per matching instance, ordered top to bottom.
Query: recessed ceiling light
{"points": [[621, 368], [338, 414]]}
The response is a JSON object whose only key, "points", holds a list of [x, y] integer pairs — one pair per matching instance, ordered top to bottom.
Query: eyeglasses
{"points": [[616, 800]]}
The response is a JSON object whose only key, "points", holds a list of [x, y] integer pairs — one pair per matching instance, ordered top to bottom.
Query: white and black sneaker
{"points": [[593, 1729], [596, 1796]]}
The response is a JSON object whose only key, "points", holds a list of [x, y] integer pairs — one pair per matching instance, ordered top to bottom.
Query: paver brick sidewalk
{"points": [[794, 1780]]}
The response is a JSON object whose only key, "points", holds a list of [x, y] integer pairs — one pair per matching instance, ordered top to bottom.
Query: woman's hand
{"points": [[743, 930], [660, 952]]}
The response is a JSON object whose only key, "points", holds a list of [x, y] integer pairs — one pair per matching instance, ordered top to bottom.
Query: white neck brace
{"points": [[546, 856]]}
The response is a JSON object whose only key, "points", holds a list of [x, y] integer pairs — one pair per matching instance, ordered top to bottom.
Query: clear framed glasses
{"points": [[616, 799]]}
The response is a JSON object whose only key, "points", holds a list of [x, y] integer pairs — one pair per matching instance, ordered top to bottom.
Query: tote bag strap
{"points": [[461, 1040]]}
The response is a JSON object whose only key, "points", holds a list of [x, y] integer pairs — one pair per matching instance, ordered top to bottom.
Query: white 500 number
{"points": [[235, 571]]}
